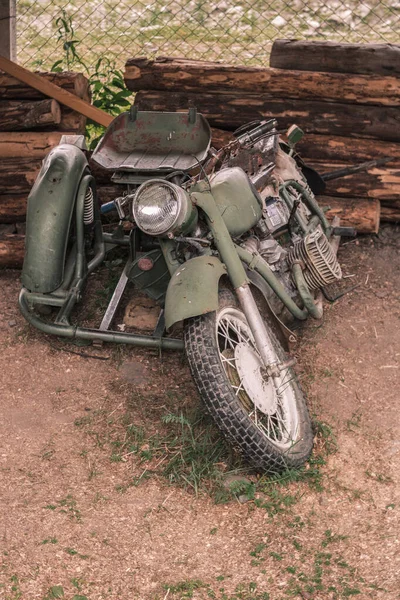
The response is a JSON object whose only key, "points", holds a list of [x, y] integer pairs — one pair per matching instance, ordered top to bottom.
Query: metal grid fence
{"points": [[238, 32]]}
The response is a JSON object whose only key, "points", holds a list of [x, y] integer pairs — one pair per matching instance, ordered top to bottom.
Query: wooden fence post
{"points": [[8, 26]]}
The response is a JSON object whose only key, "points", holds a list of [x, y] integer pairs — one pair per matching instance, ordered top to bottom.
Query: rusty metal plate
{"points": [[154, 141]]}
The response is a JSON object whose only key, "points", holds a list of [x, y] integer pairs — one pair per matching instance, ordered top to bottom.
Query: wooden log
{"points": [[375, 59], [182, 75], [13, 89], [53, 91], [230, 110], [16, 115], [72, 121], [220, 137], [28, 144], [345, 149], [17, 175], [382, 183], [13, 208], [361, 213], [390, 213], [12, 250]]}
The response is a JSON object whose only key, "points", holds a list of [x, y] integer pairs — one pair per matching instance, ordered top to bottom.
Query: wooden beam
{"points": [[53, 91]]}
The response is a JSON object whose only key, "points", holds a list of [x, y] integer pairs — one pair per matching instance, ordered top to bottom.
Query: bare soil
{"points": [[72, 524]]}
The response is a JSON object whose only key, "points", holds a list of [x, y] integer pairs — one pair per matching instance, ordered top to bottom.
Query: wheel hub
{"points": [[250, 368]]}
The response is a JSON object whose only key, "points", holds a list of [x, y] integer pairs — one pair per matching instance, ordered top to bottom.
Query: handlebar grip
{"points": [[108, 207]]}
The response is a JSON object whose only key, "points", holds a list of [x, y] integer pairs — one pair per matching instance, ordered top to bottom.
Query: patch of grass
{"points": [[354, 421], [325, 438], [380, 477], [274, 500], [67, 506], [330, 537], [52, 540], [73, 552], [15, 588], [185, 588], [56, 591], [243, 591]]}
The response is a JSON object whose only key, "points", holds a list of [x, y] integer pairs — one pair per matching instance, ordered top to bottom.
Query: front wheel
{"points": [[265, 417]]}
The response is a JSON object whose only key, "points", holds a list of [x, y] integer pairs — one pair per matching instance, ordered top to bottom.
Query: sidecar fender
{"points": [[50, 209], [193, 289]]}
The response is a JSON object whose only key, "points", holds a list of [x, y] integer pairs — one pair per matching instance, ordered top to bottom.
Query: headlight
{"points": [[160, 207]]}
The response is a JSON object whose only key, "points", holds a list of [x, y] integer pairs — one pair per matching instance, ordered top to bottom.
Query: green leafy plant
{"points": [[66, 35], [106, 82]]}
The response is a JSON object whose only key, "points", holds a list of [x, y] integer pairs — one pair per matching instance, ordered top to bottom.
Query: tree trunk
{"points": [[377, 59], [181, 75], [13, 89], [230, 110], [18, 115], [28, 144], [344, 149], [382, 183], [362, 214], [12, 250]]}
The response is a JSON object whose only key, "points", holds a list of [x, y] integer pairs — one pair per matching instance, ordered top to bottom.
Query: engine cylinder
{"points": [[321, 264]]}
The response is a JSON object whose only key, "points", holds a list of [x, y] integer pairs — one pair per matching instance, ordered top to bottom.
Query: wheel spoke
{"points": [[225, 334], [231, 361], [274, 418]]}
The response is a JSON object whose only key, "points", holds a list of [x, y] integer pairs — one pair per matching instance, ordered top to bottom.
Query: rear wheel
{"points": [[265, 417]]}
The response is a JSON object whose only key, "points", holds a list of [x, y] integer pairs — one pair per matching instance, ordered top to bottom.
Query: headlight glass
{"points": [[158, 206]]}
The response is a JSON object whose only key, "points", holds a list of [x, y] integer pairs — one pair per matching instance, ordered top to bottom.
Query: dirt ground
{"points": [[72, 525]]}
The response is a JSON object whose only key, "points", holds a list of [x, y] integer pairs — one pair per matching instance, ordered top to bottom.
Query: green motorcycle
{"points": [[232, 244]]}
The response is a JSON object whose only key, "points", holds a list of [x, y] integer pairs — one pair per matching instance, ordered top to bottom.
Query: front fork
{"points": [[226, 248]]}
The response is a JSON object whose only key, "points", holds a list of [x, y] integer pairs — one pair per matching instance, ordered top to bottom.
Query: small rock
{"points": [[278, 21], [12, 323]]}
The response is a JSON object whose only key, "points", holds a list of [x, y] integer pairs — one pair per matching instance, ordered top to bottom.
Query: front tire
{"points": [[265, 417]]}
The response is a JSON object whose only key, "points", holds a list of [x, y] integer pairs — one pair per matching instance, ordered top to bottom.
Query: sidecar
{"points": [[65, 240]]}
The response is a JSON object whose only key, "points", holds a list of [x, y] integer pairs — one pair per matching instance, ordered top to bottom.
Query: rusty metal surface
{"points": [[154, 141]]}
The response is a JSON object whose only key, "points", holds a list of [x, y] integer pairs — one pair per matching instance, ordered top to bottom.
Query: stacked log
{"points": [[348, 117], [30, 126]]}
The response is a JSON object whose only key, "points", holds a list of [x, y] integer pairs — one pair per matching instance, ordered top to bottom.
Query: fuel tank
{"points": [[237, 199]]}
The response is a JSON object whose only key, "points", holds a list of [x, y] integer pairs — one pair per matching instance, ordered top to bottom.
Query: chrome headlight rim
{"points": [[179, 196]]}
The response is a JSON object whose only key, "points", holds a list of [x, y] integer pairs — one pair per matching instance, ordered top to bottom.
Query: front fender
{"points": [[50, 208], [193, 289]]}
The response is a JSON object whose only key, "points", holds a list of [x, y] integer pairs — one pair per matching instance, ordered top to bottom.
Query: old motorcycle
{"points": [[232, 244]]}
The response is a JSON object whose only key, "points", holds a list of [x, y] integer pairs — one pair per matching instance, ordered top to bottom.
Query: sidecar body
{"points": [[64, 213]]}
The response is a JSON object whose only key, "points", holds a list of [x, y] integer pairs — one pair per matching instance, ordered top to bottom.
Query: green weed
{"points": [[106, 82], [67, 506]]}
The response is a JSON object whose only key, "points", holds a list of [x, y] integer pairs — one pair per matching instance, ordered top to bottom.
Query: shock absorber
{"points": [[88, 210]]}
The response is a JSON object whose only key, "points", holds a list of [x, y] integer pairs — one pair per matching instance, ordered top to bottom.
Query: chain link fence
{"points": [[238, 32]]}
